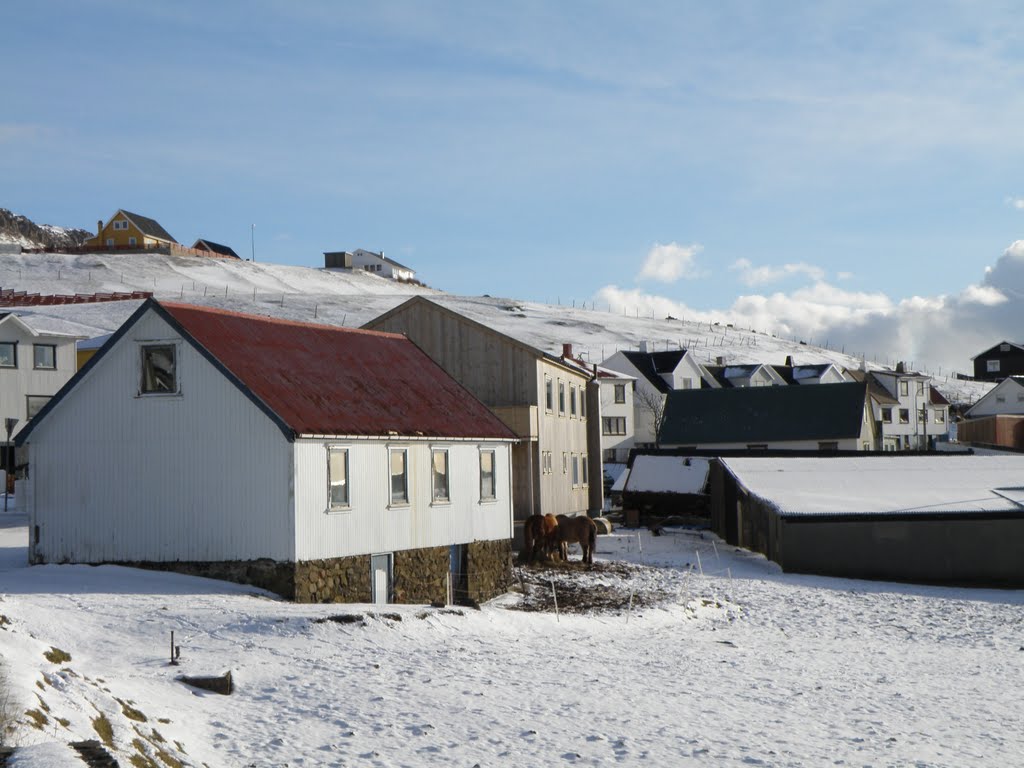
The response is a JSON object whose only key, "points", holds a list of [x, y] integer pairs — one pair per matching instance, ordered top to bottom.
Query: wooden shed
{"points": [[323, 463], [951, 519]]}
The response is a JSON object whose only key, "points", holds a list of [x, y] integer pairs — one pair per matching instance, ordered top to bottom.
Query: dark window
{"points": [[8, 354], [44, 356], [159, 369], [620, 393], [549, 394], [561, 398], [34, 404], [887, 415], [904, 415], [613, 425]]}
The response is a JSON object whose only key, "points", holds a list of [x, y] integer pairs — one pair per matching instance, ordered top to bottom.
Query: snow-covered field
{"points": [[354, 298], [740, 665]]}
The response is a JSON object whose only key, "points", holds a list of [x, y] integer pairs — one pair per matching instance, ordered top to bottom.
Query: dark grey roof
{"points": [[148, 226], [209, 245], [996, 346], [652, 364], [787, 372], [763, 414]]}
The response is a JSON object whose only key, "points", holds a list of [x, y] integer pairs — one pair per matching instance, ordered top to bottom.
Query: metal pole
{"points": [[252, 241]]}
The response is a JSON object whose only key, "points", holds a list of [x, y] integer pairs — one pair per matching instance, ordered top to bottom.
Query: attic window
{"points": [[120, 224], [1004, 347], [159, 370]]}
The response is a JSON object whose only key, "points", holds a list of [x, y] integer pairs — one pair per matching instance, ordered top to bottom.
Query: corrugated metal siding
{"points": [[200, 476], [372, 525]]}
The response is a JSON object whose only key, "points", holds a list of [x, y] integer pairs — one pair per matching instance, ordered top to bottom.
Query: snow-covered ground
{"points": [[354, 298], [738, 665]]}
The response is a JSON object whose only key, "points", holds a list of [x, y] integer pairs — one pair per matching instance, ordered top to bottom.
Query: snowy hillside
{"points": [[353, 298]]}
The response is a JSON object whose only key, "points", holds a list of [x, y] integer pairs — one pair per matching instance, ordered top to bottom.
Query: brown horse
{"points": [[581, 530], [539, 536]]}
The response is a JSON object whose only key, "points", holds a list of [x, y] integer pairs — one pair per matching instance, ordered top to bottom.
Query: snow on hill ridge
{"points": [[353, 298]]}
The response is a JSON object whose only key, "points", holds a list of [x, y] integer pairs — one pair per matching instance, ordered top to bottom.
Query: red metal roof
{"points": [[326, 380]]}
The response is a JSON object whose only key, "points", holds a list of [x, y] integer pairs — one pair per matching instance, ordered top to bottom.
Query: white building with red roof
{"points": [[323, 463]]}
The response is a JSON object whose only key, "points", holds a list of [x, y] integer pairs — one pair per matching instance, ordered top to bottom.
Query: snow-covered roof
{"points": [[667, 474], [883, 485]]}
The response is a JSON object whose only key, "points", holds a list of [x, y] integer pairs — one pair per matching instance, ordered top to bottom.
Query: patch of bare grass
{"points": [[57, 656]]}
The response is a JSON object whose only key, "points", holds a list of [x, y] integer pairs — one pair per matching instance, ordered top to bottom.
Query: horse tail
{"points": [[592, 535]]}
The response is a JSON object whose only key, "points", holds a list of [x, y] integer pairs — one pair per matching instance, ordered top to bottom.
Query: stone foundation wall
{"points": [[489, 568], [266, 574], [421, 575], [338, 580]]}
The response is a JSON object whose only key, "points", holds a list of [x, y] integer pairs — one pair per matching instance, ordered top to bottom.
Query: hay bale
{"points": [[604, 525]]}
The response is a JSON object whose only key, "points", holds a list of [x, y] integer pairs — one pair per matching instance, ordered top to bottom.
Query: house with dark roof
{"points": [[126, 230], [214, 249], [368, 261], [996, 363], [815, 373], [656, 374], [745, 375], [910, 413], [827, 417], [997, 419], [323, 463]]}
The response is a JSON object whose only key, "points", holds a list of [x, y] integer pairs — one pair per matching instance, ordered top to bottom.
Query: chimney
{"points": [[99, 227], [643, 346], [567, 351], [719, 360], [789, 361], [901, 367]]}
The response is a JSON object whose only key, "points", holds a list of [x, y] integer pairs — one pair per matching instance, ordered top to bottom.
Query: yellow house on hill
{"points": [[129, 230]]}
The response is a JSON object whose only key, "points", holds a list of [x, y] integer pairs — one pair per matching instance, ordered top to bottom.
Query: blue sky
{"points": [[829, 161]]}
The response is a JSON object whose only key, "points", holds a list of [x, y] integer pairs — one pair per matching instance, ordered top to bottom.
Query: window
{"points": [[120, 224], [110, 241], [131, 241], [1004, 347], [8, 354], [44, 356], [992, 366], [159, 372], [687, 384], [904, 387], [920, 387], [620, 393], [549, 394], [561, 398], [1000, 398], [572, 401], [583, 403], [34, 404], [887, 415], [904, 415], [922, 415], [940, 416], [613, 425], [829, 445], [609, 455], [545, 462], [565, 463], [575, 470], [586, 471], [439, 475], [399, 476], [337, 477], [487, 486]]}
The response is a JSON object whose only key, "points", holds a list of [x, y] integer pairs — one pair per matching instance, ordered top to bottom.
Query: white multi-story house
{"points": [[368, 261], [33, 366], [656, 374], [911, 412], [617, 414]]}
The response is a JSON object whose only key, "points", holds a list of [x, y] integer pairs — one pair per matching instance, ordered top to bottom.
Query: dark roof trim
{"points": [[153, 304], [958, 515]]}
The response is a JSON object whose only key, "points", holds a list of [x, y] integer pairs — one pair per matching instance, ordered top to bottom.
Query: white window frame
{"points": [[132, 241], [143, 346], [35, 358], [992, 366], [904, 387], [619, 388], [904, 415], [565, 462], [447, 498], [484, 499], [392, 501], [346, 506]]}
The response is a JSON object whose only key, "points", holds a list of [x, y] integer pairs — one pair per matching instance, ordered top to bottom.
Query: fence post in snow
{"points": [[698, 562], [554, 596]]}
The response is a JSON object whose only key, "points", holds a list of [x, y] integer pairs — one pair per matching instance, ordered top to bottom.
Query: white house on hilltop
{"points": [[368, 261]]}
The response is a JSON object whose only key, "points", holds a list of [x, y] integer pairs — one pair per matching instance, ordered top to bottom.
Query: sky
{"points": [[840, 170]]}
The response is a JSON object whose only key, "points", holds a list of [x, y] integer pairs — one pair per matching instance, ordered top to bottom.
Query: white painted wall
{"points": [[380, 266], [17, 383], [1006, 397], [914, 433], [563, 434], [621, 444], [118, 476], [372, 525]]}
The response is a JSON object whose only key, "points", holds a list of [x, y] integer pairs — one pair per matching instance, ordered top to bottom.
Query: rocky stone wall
{"points": [[489, 569], [266, 574], [421, 575], [338, 580]]}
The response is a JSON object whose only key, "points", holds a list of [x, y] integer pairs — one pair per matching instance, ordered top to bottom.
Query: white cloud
{"points": [[1016, 202], [669, 263], [844, 275], [753, 276], [982, 294], [934, 332]]}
